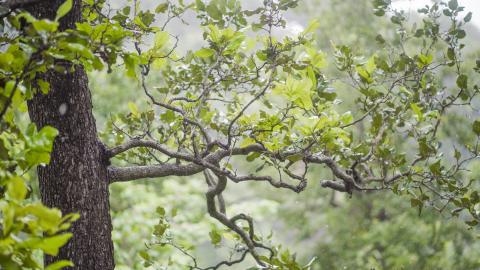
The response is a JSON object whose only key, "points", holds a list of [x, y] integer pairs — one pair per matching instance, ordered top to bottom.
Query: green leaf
{"points": [[453, 4], [199, 5], [161, 8], [64, 9], [213, 11], [468, 17], [145, 19], [45, 25], [214, 33], [461, 34], [379, 38], [161, 39], [204, 52], [451, 54], [6, 59], [424, 60], [130, 64], [382, 64], [364, 75], [462, 81], [44, 86], [297, 91], [133, 109], [418, 111], [168, 117], [347, 118], [476, 127], [247, 141], [40, 146], [425, 149], [457, 153], [295, 158], [436, 168], [16, 189], [475, 197], [415, 202], [160, 210], [174, 212], [8, 216], [48, 218], [471, 223], [160, 229], [215, 237], [49, 245], [144, 255], [59, 265]]}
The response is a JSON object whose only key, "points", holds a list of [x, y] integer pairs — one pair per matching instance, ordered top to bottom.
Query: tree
{"points": [[265, 100]]}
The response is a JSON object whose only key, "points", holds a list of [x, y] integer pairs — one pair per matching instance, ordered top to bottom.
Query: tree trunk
{"points": [[76, 178]]}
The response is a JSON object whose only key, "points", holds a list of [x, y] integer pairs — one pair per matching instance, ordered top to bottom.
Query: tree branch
{"points": [[123, 174], [333, 185]]}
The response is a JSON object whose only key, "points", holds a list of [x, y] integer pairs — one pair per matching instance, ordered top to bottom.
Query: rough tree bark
{"points": [[76, 178]]}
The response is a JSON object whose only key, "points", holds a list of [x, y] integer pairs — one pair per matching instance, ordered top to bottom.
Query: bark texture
{"points": [[76, 178]]}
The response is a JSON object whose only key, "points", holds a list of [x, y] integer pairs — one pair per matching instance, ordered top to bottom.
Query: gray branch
{"points": [[193, 164], [123, 174]]}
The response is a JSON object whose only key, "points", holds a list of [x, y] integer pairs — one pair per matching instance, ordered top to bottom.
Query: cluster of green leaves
{"points": [[129, 25], [446, 47], [232, 49], [430, 99], [27, 226]]}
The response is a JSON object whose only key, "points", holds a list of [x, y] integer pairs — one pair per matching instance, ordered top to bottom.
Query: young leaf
{"points": [[63, 9], [204, 52], [418, 111], [215, 237]]}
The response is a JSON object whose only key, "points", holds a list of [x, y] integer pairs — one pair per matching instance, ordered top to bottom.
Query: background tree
{"points": [[263, 99]]}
